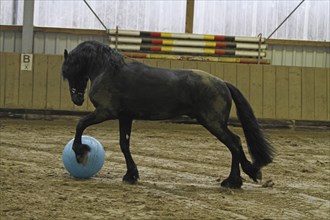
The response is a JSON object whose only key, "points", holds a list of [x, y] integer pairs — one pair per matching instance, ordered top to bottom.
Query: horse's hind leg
{"points": [[125, 126], [232, 141]]}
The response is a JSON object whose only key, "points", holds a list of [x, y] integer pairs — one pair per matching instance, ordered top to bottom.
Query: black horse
{"points": [[124, 89]]}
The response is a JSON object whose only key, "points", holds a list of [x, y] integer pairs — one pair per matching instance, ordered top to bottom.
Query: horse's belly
{"points": [[157, 110], [158, 116]]}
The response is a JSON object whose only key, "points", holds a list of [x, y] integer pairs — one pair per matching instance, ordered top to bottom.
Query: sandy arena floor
{"points": [[180, 168]]}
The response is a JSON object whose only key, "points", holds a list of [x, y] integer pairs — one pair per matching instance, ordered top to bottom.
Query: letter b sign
{"points": [[26, 62]]}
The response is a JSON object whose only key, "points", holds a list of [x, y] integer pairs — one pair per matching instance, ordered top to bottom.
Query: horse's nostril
{"points": [[77, 99], [78, 103]]}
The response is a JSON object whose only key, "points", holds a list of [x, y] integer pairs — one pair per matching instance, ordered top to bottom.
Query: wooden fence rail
{"points": [[275, 92]]}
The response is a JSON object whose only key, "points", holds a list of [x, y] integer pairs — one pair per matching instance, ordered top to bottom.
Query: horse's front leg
{"points": [[125, 126], [81, 150]]}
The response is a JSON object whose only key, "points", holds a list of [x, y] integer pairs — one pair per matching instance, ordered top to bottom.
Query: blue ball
{"points": [[94, 163]]}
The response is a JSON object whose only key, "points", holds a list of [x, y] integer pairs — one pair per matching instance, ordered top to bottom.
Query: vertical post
{"points": [[15, 9], [190, 16], [27, 35], [116, 38], [259, 47]]}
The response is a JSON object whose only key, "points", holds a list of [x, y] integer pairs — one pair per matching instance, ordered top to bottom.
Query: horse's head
{"points": [[87, 61], [73, 70]]}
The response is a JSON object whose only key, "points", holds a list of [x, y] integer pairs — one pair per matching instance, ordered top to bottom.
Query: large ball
{"points": [[94, 163]]}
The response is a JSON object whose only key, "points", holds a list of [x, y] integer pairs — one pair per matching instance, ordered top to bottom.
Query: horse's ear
{"points": [[66, 54]]}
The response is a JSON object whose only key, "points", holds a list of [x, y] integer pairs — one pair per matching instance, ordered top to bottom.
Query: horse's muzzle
{"points": [[77, 99]]}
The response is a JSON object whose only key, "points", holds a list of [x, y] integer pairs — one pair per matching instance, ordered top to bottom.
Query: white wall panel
{"points": [[11, 12], [160, 15], [224, 17], [311, 21], [11, 41], [55, 43], [307, 56]]}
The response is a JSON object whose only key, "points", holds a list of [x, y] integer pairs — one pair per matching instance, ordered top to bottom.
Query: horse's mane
{"points": [[93, 56]]}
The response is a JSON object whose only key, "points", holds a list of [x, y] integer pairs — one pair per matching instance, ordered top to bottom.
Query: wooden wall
{"points": [[54, 40], [42, 88], [275, 92]]}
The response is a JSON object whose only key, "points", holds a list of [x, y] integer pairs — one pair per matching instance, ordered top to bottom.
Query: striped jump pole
{"points": [[183, 36], [191, 43], [191, 50]]}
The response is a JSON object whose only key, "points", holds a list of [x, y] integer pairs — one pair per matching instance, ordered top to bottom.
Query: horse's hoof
{"points": [[82, 153], [253, 172], [257, 176], [131, 177], [232, 183]]}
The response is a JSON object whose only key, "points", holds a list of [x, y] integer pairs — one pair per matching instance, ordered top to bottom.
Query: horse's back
{"points": [[187, 85], [197, 90]]}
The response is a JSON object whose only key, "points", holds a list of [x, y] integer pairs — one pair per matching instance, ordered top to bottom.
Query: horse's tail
{"points": [[261, 151]]}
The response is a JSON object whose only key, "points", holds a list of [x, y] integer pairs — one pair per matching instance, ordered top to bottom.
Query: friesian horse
{"points": [[124, 89]]}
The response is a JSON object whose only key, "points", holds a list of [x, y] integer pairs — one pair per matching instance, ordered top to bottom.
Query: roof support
{"points": [[190, 16], [27, 35]]}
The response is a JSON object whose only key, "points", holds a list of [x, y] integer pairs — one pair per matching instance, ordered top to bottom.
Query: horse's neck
{"points": [[105, 67], [95, 70], [92, 76], [97, 76]]}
